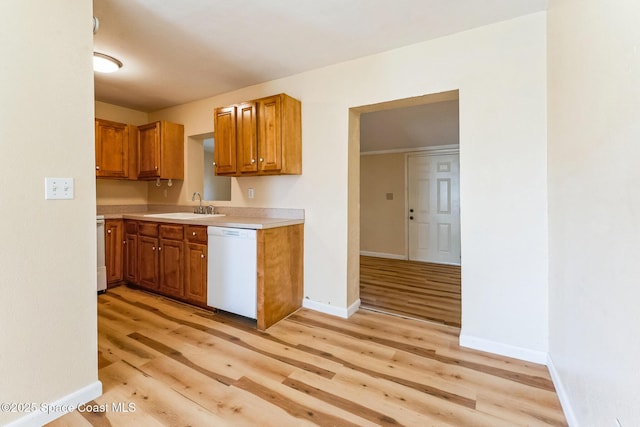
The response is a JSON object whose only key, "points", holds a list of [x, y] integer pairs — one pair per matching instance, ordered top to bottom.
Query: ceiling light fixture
{"points": [[104, 63]]}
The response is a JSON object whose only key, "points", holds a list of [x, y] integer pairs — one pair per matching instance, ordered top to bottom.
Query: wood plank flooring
{"points": [[415, 289], [177, 365]]}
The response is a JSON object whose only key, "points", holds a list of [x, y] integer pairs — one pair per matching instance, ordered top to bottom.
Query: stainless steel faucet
{"points": [[197, 210]]}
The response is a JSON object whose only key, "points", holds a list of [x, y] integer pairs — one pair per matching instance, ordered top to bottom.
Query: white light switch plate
{"points": [[58, 188]]}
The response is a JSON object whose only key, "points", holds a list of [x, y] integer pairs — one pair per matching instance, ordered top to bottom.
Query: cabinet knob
{"points": [[261, 159], [253, 161], [214, 163], [155, 167], [97, 168], [108, 231], [194, 233], [124, 242], [153, 248], [159, 249], [201, 255]]}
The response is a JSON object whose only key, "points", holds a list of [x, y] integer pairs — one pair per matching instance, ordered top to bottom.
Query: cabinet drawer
{"points": [[131, 227], [148, 229], [171, 232], [196, 234]]}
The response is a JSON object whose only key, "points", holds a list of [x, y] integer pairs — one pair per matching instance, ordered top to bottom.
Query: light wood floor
{"points": [[415, 289], [182, 366]]}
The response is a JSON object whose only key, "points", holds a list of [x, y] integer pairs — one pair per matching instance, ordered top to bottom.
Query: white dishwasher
{"points": [[232, 270]]}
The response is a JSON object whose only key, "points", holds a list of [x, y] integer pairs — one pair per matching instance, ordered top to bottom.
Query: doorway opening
{"points": [[410, 208]]}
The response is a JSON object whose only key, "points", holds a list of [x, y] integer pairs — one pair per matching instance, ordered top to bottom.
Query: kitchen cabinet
{"points": [[279, 135], [259, 137], [246, 138], [115, 147], [161, 150], [224, 151], [113, 246], [130, 255], [148, 256], [171, 260], [280, 273], [195, 281]]}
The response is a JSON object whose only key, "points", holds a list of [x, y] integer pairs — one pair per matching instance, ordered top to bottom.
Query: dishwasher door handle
{"points": [[234, 233]]}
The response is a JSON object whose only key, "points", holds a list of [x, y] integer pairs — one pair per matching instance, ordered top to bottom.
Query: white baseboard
{"points": [[382, 255], [353, 308], [345, 313], [503, 349], [562, 394], [47, 412]]}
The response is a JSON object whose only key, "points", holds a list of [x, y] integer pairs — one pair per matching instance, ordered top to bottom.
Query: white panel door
{"points": [[434, 208]]}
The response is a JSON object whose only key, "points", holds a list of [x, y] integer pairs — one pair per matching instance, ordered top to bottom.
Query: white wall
{"points": [[501, 73], [594, 207], [383, 221], [48, 335]]}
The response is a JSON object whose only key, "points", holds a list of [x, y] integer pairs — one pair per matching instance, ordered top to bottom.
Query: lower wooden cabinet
{"points": [[113, 246], [130, 255], [171, 255], [170, 259], [148, 262], [195, 266], [280, 273], [195, 288]]}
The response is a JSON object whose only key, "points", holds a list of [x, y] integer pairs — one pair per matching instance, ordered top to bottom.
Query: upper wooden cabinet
{"points": [[260, 137], [246, 138], [115, 149], [161, 151], [224, 152]]}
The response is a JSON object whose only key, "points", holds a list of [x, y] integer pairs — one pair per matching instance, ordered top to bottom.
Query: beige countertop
{"points": [[250, 222]]}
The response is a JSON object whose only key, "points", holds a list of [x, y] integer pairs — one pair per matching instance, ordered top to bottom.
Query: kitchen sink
{"points": [[182, 215]]}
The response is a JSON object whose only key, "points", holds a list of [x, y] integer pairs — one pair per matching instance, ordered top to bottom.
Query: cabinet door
{"points": [[270, 135], [247, 138], [112, 149], [149, 150], [171, 150], [224, 150], [113, 238], [171, 255], [131, 258], [148, 262], [196, 273]]}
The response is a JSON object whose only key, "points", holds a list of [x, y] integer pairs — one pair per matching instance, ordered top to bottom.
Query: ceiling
{"points": [[180, 51], [413, 127]]}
